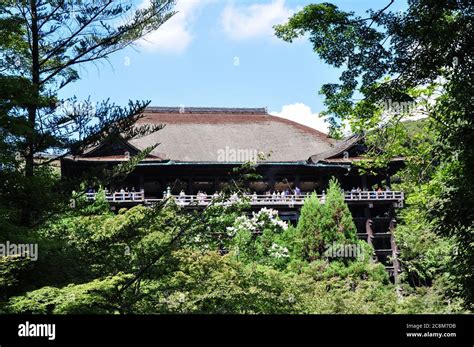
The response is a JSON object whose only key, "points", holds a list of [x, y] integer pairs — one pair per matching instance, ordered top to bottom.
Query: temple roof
{"points": [[212, 134], [228, 135]]}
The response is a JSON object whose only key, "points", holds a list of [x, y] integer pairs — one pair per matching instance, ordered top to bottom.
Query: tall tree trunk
{"points": [[32, 109], [29, 163]]}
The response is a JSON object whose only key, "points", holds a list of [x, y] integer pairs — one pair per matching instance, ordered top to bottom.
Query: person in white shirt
{"points": [[254, 197]]}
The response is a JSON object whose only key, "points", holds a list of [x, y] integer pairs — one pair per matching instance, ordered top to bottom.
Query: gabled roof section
{"points": [[118, 147], [339, 150], [347, 151]]}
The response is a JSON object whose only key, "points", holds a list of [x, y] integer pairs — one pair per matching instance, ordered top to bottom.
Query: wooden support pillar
{"points": [[297, 180], [141, 182], [271, 182], [364, 182], [190, 185], [160, 189], [369, 230], [393, 246]]}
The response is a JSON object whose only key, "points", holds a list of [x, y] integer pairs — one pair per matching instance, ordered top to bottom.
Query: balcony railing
{"points": [[374, 195], [121, 196], [254, 200]]}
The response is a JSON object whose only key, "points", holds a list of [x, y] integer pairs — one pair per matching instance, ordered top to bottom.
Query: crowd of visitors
{"points": [[357, 193], [275, 195], [287, 195]]}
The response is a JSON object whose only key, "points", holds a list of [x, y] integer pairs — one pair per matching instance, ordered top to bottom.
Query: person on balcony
{"points": [[297, 191], [127, 193], [182, 197], [199, 197]]}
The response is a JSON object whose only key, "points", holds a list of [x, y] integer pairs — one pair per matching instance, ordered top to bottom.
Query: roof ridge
{"points": [[185, 109]]}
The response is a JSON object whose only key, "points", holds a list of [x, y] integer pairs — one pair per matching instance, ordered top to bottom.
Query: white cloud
{"points": [[254, 21], [174, 36], [301, 113]]}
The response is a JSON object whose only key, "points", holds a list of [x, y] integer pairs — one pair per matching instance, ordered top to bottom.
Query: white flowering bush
{"points": [[266, 218], [258, 238], [278, 251]]}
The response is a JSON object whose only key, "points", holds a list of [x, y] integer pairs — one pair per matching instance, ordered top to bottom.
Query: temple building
{"points": [[199, 147]]}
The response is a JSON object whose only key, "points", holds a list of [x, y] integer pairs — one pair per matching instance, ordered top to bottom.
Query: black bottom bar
{"points": [[317, 330]]}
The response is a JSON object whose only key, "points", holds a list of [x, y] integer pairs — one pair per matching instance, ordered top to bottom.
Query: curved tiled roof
{"points": [[228, 134]]}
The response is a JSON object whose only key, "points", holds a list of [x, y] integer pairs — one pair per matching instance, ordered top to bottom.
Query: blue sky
{"points": [[220, 53]]}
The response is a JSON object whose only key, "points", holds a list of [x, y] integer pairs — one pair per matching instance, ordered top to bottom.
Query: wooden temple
{"points": [[199, 148]]}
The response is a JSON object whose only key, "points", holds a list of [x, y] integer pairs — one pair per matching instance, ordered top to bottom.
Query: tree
{"points": [[43, 43], [386, 58], [337, 219], [324, 225], [309, 229]]}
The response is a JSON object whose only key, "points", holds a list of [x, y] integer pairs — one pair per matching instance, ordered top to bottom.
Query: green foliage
{"points": [[42, 46], [373, 49], [420, 58], [99, 206], [337, 219], [324, 224], [310, 242], [424, 254], [139, 261], [11, 269], [208, 282], [211, 283], [95, 297], [432, 299]]}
